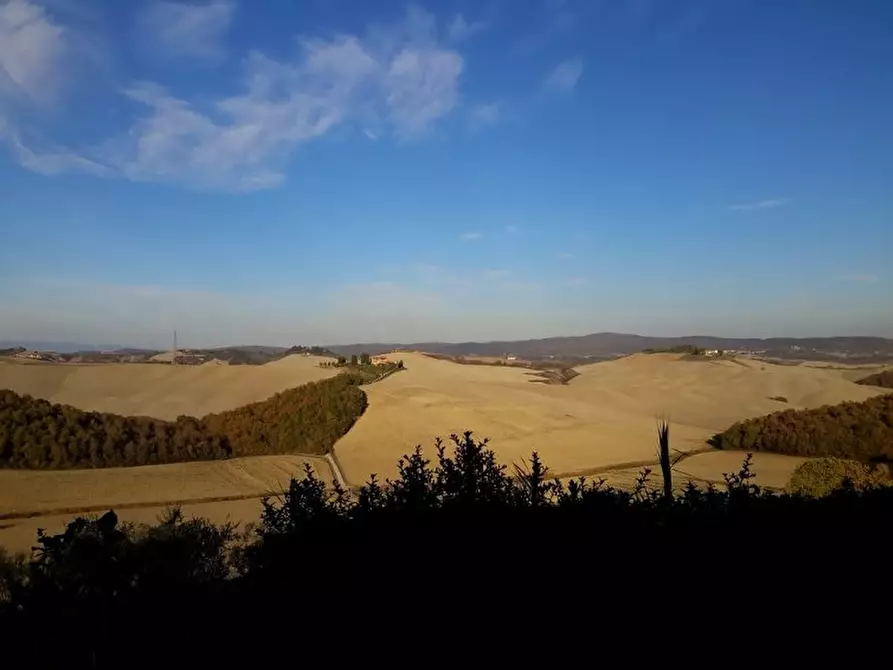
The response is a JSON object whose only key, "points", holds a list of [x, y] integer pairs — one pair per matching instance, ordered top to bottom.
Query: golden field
{"points": [[160, 391], [605, 417], [602, 425], [48, 499]]}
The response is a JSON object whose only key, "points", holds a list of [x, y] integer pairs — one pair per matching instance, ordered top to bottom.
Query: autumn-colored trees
{"points": [[883, 379], [308, 419], [858, 430], [37, 434]]}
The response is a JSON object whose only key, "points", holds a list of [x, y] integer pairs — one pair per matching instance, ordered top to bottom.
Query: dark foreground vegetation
{"points": [[883, 379], [307, 419], [861, 431], [451, 557]]}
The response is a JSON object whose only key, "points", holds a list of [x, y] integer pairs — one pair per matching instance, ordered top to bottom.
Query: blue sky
{"points": [[340, 170]]}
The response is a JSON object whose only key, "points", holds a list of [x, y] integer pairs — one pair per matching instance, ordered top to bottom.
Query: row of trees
{"points": [[309, 419], [861, 431], [37, 434]]}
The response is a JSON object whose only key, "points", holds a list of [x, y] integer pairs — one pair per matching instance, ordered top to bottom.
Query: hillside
{"points": [[608, 345], [882, 379], [159, 391], [603, 417], [308, 419], [856, 430]]}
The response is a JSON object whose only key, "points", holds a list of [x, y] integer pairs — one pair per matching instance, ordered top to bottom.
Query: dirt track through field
{"points": [[158, 390]]}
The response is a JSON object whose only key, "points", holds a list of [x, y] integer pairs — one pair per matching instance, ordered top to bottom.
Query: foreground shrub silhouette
{"points": [[862, 431], [459, 539]]}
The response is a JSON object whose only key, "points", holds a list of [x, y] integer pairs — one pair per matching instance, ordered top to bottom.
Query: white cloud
{"points": [[460, 29], [186, 30], [32, 52], [564, 76], [397, 78], [421, 85], [483, 115], [240, 142], [762, 204], [469, 237]]}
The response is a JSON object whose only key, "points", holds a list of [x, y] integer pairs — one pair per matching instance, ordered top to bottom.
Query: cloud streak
{"points": [[460, 29], [179, 30], [564, 76], [484, 115], [762, 204], [470, 237], [859, 278]]}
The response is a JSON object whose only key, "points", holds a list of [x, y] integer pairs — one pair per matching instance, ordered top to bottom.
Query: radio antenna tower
{"points": [[174, 358]]}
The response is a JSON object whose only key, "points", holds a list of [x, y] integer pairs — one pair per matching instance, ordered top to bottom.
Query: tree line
{"points": [[883, 379], [861, 431], [36, 434]]}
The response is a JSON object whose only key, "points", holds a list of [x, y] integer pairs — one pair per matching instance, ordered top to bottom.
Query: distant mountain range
{"points": [[607, 345], [597, 346]]}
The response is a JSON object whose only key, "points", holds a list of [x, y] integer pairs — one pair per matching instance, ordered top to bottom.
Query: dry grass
{"points": [[161, 391], [604, 417], [230, 489], [24, 492], [20, 535]]}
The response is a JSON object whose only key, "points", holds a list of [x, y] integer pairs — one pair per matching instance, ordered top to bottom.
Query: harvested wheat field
{"points": [[160, 391], [604, 417], [25, 492], [31, 499], [20, 535]]}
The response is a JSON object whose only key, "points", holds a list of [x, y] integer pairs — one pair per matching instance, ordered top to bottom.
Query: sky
{"points": [[334, 171]]}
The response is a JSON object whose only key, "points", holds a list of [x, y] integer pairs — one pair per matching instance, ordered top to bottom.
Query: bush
{"points": [[862, 431], [821, 476], [460, 534]]}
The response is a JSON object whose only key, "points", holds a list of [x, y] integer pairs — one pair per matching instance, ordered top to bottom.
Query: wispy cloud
{"points": [[460, 29], [186, 30], [32, 53], [564, 76], [396, 79], [483, 115], [50, 161], [762, 204], [512, 230], [470, 237], [565, 255], [859, 278], [576, 281]]}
